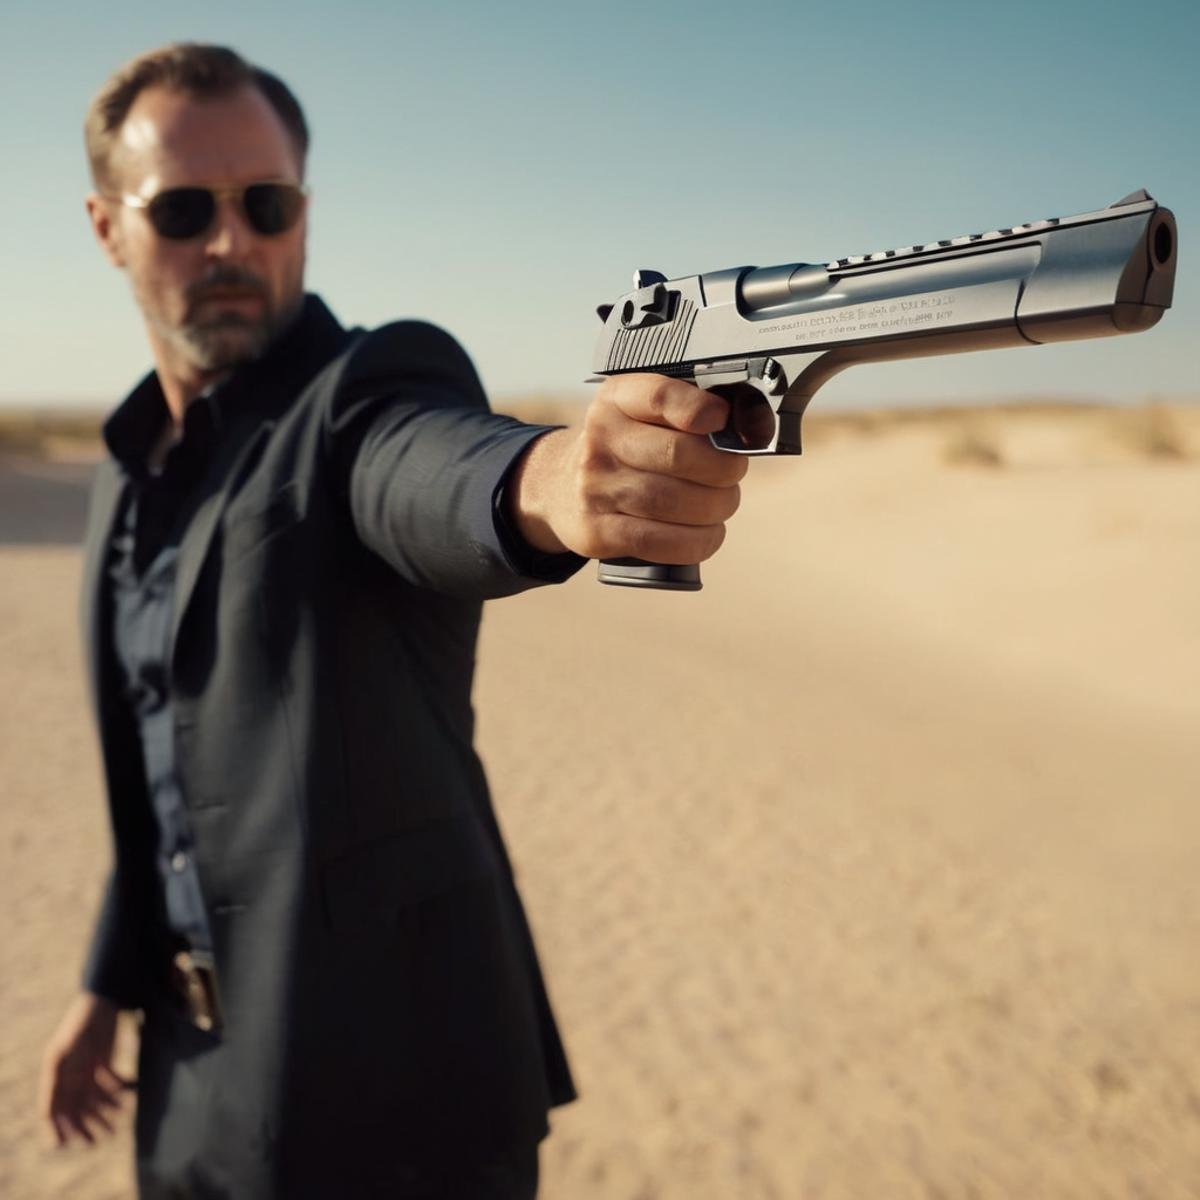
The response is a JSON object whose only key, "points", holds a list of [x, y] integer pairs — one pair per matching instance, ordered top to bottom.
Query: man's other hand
{"points": [[637, 479], [79, 1091]]}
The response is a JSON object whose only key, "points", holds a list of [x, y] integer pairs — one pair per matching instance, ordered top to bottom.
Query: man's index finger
{"points": [[672, 403]]}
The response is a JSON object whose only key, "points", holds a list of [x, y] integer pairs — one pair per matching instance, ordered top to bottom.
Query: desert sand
{"points": [[870, 871]]}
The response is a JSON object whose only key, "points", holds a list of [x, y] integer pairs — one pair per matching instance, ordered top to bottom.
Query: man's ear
{"points": [[105, 228]]}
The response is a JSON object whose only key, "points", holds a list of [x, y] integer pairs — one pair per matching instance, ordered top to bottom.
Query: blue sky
{"points": [[501, 169]]}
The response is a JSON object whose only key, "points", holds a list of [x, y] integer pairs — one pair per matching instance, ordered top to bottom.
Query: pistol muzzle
{"points": [[1112, 277]]}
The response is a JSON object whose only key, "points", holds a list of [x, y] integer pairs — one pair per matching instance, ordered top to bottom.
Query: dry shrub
{"points": [[1152, 430], [973, 444]]}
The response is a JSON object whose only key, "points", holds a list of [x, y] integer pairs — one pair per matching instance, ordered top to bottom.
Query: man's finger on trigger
{"points": [[675, 403]]}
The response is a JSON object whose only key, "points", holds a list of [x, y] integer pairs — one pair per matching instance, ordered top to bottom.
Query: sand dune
{"points": [[869, 871]]}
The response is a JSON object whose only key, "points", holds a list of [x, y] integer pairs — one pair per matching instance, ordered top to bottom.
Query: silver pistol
{"points": [[766, 338]]}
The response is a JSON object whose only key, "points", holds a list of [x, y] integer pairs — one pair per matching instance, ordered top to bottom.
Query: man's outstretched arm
{"points": [[421, 460]]}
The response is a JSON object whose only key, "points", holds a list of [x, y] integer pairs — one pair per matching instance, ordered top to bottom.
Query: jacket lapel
{"points": [[226, 471], [102, 512]]}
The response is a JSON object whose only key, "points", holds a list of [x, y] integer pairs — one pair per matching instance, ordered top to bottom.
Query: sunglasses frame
{"points": [[230, 191]]}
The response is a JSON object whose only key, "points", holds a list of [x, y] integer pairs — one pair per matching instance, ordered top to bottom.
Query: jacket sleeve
{"points": [[422, 463], [114, 968]]}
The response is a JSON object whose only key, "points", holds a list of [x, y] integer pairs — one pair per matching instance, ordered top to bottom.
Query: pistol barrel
{"points": [[1092, 275]]}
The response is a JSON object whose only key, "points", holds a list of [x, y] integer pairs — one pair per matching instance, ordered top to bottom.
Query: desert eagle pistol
{"points": [[766, 338]]}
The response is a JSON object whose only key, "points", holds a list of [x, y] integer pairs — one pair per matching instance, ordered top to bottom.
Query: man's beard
{"points": [[227, 339]]}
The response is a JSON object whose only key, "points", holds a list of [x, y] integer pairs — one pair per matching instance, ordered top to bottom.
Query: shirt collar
{"points": [[264, 387]]}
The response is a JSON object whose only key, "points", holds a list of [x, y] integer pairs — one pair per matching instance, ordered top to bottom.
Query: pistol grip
{"points": [[634, 572]]}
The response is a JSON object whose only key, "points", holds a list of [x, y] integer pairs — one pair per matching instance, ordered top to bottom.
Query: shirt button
{"points": [[179, 861]]}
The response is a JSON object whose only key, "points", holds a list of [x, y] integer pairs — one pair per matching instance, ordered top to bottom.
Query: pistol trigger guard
{"points": [[754, 388]]}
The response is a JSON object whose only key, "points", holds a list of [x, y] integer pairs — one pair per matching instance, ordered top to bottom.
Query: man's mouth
{"points": [[238, 293], [230, 296], [228, 306]]}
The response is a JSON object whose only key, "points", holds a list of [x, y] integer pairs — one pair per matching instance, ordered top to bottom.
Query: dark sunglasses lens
{"points": [[273, 207], [182, 212]]}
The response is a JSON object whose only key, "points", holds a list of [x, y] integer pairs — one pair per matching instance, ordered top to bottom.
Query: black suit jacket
{"points": [[383, 1004]]}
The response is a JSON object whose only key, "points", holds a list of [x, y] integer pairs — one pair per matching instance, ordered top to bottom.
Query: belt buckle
{"points": [[195, 982]]}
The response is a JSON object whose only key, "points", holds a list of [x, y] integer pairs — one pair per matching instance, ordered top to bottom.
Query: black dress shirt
{"points": [[155, 508]]}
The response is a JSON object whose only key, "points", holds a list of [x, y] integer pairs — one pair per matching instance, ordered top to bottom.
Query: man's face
{"points": [[217, 299]]}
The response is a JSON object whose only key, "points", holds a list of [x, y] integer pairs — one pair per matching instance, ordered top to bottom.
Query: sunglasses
{"points": [[186, 212]]}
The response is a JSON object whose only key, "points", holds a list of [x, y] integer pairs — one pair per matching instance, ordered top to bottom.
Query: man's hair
{"points": [[196, 70]]}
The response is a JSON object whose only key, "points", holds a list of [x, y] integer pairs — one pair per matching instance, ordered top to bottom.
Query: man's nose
{"points": [[228, 236]]}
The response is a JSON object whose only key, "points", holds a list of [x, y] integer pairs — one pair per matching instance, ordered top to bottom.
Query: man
{"points": [[310, 903]]}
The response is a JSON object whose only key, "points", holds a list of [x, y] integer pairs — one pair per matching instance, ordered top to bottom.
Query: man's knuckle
{"points": [[608, 388], [658, 391], [706, 412], [596, 413], [593, 416], [690, 417], [594, 454], [673, 455], [592, 458], [666, 503], [613, 537], [640, 539]]}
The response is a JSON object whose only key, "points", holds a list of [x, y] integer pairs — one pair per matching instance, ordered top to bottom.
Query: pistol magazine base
{"points": [[633, 572]]}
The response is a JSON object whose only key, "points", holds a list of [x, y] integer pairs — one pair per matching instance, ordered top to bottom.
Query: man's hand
{"points": [[638, 479], [79, 1090]]}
